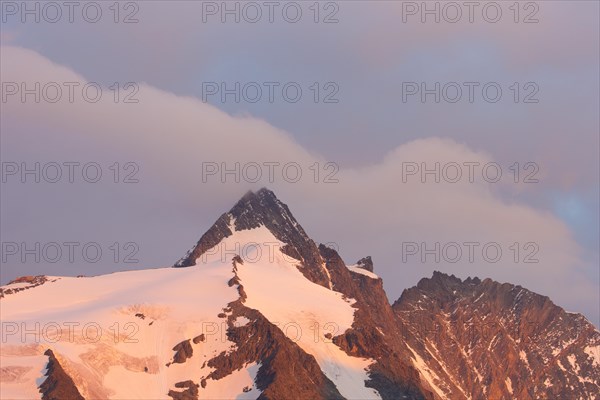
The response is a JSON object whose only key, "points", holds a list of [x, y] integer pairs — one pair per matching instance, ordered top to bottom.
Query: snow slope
{"points": [[303, 310], [91, 324], [113, 334]]}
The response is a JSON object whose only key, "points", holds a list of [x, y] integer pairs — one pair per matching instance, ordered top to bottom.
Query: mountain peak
{"points": [[251, 197], [263, 208]]}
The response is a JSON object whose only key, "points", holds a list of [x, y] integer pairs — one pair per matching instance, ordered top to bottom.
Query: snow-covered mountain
{"points": [[257, 309]]}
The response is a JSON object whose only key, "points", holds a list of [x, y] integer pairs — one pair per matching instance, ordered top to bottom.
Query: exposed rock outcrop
{"points": [[366, 263], [29, 282], [374, 332], [183, 351], [58, 385], [190, 392]]}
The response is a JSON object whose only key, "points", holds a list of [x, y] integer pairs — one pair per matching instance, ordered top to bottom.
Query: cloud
{"points": [[171, 48], [371, 210]]}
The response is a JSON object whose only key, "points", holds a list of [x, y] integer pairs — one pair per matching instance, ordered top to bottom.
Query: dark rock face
{"points": [[263, 208], [219, 231], [366, 263], [27, 279], [32, 281], [374, 332], [199, 338], [489, 340], [183, 351], [286, 371], [58, 384], [190, 392]]}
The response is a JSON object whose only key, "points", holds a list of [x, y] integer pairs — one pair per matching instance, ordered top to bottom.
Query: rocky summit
{"points": [[286, 319]]}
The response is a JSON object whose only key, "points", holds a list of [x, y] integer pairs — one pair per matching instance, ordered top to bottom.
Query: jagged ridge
{"points": [[485, 339]]}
